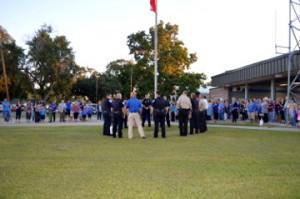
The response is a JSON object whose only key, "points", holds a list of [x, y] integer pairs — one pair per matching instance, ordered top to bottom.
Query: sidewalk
{"points": [[92, 122], [219, 124]]}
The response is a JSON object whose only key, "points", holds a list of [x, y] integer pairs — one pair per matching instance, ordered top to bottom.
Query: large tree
{"points": [[14, 58], [173, 58], [50, 65], [18, 81]]}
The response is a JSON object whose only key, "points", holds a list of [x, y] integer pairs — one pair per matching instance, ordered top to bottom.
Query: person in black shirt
{"points": [[146, 104], [106, 108], [159, 108], [167, 113], [118, 115], [194, 120]]}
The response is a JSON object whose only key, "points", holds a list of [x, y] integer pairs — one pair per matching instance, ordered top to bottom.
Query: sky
{"points": [[225, 35]]}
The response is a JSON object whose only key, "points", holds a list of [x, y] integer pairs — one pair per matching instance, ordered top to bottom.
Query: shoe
{"points": [[144, 137]]}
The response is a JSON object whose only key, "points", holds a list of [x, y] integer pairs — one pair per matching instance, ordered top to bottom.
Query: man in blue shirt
{"points": [[134, 106], [6, 110]]}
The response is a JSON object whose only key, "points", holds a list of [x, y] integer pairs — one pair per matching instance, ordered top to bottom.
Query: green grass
{"points": [[78, 162]]}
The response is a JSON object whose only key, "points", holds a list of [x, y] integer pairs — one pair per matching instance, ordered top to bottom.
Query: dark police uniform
{"points": [[159, 105], [106, 108], [146, 111], [168, 114], [117, 117], [125, 118], [194, 121]]}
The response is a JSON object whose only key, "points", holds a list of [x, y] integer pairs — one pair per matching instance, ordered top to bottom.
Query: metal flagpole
{"points": [[155, 53]]}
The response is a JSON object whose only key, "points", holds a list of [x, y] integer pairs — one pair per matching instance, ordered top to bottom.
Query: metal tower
{"points": [[294, 44]]}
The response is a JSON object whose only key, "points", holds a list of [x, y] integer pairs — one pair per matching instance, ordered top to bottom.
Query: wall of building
{"points": [[217, 93]]}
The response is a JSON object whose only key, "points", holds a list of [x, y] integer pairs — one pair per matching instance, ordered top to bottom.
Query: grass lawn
{"points": [[78, 162]]}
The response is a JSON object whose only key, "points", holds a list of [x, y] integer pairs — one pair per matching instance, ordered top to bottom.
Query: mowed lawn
{"points": [[78, 162]]}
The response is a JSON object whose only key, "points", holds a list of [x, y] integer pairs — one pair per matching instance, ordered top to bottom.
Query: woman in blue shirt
{"points": [[221, 110]]}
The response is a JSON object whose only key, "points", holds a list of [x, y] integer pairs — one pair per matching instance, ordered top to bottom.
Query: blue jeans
{"points": [[6, 115], [286, 115], [221, 116], [271, 116], [293, 121]]}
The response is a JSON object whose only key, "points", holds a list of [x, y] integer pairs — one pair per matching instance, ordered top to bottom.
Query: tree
{"points": [[4, 36], [14, 57], [173, 58], [50, 66], [123, 72], [18, 82], [190, 82]]}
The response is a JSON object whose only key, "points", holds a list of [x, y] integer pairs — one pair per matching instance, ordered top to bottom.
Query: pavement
{"points": [[95, 122]]}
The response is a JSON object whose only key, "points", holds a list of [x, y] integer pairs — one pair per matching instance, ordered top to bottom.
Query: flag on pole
{"points": [[153, 5]]}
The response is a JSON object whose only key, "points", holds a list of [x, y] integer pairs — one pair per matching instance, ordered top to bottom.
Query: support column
{"points": [[273, 89], [246, 91], [227, 93]]}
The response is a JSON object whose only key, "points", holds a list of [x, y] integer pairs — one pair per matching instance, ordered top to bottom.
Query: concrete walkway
{"points": [[287, 129]]}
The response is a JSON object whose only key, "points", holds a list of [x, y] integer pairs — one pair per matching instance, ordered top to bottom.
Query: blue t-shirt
{"points": [[68, 105], [133, 105], [6, 106], [215, 107], [221, 107], [251, 107], [259, 108], [209, 109], [90, 110], [43, 112]]}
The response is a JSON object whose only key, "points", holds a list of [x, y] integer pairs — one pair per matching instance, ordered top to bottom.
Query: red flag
{"points": [[153, 5]]}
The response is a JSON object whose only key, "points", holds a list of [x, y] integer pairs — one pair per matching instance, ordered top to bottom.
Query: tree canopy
{"points": [[173, 59], [50, 65], [49, 70]]}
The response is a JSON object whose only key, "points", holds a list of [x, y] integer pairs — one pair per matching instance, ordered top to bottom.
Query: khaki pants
{"points": [[134, 118]]}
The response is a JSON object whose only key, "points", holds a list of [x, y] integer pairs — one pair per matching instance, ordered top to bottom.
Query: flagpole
{"points": [[155, 53]]}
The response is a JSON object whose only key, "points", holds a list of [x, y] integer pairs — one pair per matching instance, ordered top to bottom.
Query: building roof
{"points": [[263, 70]]}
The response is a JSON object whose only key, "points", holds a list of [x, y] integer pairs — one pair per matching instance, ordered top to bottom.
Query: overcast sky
{"points": [[224, 34]]}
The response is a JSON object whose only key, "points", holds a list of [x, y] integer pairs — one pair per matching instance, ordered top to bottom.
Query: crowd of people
{"points": [[195, 110], [40, 111], [286, 111], [135, 112]]}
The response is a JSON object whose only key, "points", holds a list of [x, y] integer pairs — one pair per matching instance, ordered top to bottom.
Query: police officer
{"points": [[146, 104], [184, 105], [106, 108], [159, 108], [167, 113], [118, 115], [125, 119], [194, 121]]}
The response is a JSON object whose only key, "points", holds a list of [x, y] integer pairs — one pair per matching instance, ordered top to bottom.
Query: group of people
{"points": [[268, 110], [39, 111], [136, 112]]}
